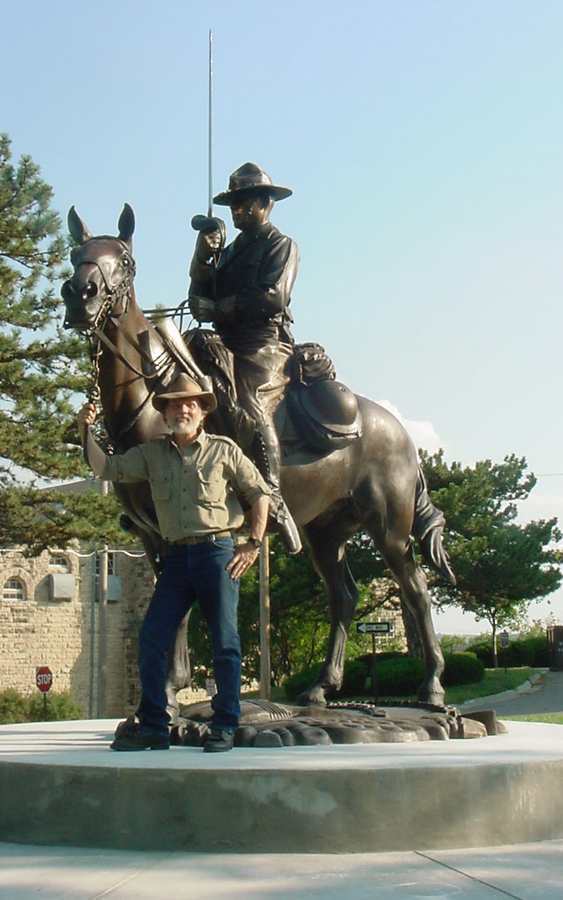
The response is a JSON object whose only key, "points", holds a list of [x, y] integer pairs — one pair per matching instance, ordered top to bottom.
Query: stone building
{"points": [[50, 616]]}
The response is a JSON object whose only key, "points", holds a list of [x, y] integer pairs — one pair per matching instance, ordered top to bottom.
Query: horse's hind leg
{"points": [[328, 551], [399, 556]]}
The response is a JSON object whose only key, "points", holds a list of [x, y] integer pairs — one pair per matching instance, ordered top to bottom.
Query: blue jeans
{"points": [[192, 572]]}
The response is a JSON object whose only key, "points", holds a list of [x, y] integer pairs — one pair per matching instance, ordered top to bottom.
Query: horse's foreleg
{"points": [[329, 557], [414, 591]]}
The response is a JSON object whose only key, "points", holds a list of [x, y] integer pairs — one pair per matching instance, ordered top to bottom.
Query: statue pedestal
{"points": [[60, 784]]}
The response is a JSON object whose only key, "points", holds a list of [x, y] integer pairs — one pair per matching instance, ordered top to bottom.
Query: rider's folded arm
{"points": [[275, 279]]}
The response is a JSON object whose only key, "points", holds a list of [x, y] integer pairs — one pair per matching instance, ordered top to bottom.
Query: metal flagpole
{"points": [[210, 130]]}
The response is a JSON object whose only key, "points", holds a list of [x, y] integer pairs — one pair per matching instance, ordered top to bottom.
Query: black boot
{"points": [[266, 453]]}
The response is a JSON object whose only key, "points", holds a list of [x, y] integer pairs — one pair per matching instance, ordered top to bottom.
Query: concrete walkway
{"points": [[543, 693], [546, 696], [525, 872]]}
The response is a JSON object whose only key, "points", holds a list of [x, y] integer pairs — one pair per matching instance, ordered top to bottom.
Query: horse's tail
{"points": [[428, 529]]}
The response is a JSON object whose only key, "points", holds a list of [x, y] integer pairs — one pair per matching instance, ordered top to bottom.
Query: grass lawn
{"points": [[494, 682], [550, 718]]}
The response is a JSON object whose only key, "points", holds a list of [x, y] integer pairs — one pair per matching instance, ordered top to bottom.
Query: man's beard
{"points": [[182, 426]]}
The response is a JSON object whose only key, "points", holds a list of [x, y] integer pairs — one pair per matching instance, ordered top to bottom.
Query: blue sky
{"points": [[423, 141]]}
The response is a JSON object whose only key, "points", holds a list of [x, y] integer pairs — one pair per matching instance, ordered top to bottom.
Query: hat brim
{"points": [[275, 192], [206, 398]]}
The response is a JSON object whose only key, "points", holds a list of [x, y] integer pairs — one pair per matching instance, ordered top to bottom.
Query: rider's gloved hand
{"points": [[211, 238], [208, 244], [202, 308]]}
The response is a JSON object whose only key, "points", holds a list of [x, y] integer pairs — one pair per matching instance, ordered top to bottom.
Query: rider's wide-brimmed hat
{"points": [[251, 179], [184, 387]]}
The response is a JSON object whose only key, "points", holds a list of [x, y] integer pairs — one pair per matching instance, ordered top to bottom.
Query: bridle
{"points": [[112, 309]]}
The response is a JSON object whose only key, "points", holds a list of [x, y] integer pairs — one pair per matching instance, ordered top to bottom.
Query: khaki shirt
{"points": [[194, 488]]}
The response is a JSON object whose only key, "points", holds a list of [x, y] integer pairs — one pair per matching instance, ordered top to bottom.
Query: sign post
{"points": [[376, 629], [504, 641], [265, 659], [44, 680]]}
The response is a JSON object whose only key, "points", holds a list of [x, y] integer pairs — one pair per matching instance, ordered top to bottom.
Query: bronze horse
{"points": [[375, 484]]}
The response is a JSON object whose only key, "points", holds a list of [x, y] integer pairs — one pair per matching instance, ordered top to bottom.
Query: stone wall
{"points": [[64, 634]]}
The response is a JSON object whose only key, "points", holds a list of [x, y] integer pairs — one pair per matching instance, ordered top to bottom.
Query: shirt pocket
{"points": [[211, 485], [161, 487]]}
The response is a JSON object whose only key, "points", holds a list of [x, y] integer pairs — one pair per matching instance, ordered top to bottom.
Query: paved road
{"points": [[545, 697]]}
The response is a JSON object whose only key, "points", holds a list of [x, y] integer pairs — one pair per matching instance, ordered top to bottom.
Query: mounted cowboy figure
{"points": [[244, 289]]}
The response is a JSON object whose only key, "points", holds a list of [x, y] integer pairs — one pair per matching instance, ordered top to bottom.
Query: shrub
{"points": [[483, 650], [527, 651], [387, 654], [542, 656], [462, 668], [356, 674], [399, 677], [300, 681], [15, 707], [58, 707]]}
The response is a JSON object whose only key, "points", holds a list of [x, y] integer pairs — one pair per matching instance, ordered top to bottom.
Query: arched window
{"points": [[14, 589]]}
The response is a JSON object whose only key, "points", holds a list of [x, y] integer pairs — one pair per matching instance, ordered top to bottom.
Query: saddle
{"points": [[324, 413]]}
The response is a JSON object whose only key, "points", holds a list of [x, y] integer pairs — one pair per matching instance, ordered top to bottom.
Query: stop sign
{"points": [[43, 678]]}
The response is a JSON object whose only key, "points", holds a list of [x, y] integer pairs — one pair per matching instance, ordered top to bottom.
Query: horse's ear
{"points": [[126, 224], [77, 227]]}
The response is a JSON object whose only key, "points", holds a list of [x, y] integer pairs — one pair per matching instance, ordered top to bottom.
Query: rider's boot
{"points": [[266, 453]]}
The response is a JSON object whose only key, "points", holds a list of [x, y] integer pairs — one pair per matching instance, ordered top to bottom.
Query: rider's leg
{"points": [[260, 380]]}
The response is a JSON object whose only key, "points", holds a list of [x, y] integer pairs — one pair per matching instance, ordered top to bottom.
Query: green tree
{"points": [[41, 369], [500, 565], [298, 611]]}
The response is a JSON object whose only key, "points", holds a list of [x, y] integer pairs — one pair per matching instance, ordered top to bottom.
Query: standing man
{"points": [[245, 290], [193, 478]]}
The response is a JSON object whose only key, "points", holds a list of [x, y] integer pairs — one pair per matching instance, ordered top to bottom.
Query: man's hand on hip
{"points": [[245, 556]]}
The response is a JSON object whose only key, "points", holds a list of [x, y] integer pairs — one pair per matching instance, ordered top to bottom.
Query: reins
{"points": [[97, 337]]}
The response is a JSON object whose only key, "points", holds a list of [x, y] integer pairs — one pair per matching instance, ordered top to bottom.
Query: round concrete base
{"points": [[60, 784]]}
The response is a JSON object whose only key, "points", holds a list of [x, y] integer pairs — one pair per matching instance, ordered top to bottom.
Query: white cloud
{"points": [[422, 432]]}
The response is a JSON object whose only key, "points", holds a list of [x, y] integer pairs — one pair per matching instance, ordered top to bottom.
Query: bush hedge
{"points": [[527, 651], [462, 668], [398, 675], [300, 681], [16, 707]]}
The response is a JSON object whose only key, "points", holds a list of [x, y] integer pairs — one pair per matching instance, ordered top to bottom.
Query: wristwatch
{"points": [[256, 542]]}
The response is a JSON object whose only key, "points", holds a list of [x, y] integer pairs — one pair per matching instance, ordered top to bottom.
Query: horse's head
{"points": [[103, 273]]}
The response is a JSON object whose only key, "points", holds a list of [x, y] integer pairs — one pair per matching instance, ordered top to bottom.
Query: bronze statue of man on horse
{"points": [[346, 465]]}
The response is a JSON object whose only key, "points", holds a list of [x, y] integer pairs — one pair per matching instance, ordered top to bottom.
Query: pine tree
{"points": [[40, 366], [42, 370]]}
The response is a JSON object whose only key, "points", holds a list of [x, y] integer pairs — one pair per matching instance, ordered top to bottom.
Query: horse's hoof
{"points": [[315, 696], [433, 698]]}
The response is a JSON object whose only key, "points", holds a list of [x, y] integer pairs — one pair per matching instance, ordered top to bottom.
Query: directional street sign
{"points": [[375, 627]]}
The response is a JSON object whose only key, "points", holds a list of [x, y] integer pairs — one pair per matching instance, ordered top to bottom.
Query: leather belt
{"points": [[202, 538]]}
